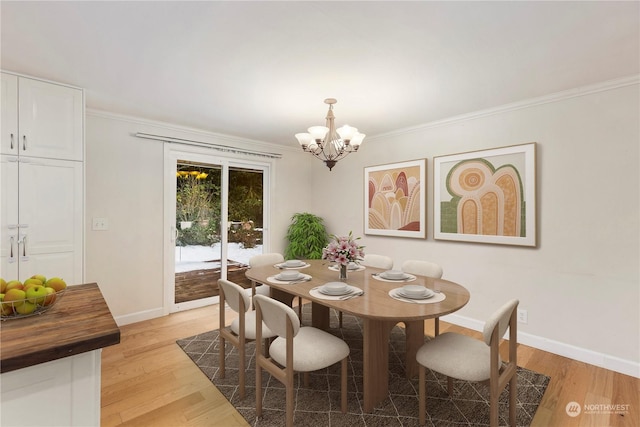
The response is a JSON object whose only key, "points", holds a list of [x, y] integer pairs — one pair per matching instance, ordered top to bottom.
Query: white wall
{"points": [[124, 183], [581, 284]]}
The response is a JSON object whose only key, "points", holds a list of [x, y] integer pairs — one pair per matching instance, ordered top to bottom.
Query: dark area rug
{"points": [[319, 404]]}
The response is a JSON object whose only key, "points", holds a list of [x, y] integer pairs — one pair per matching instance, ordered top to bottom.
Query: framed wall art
{"points": [[486, 196], [395, 199]]}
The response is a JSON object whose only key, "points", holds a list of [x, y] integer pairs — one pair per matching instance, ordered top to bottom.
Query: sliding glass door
{"points": [[215, 216]]}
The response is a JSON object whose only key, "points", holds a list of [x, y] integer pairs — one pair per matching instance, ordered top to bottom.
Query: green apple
{"points": [[40, 277], [31, 282], [56, 283], [14, 284], [3, 285], [36, 294], [15, 296], [51, 296], [26, 308], [5, 309]]}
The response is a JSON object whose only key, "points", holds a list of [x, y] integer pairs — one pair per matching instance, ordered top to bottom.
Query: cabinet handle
{"points": [[11, 142], [24, 142], [24, 245], [11, 248]]}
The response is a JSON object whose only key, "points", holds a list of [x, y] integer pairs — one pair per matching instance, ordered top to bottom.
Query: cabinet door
{"points": [[9, 107], [51, 120], [9, 217], [51, 218]]}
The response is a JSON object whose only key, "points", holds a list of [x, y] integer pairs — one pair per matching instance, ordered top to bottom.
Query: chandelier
{"points": [[328, 143]]}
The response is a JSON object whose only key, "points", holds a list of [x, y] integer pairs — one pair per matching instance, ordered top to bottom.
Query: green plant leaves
{"points": [[307, 237]]}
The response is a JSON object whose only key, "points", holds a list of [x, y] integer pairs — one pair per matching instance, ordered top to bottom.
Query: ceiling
{"points": [[261, 70]]}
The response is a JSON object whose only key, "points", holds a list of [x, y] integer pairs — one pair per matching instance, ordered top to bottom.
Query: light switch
{"points": [[100, 224]]}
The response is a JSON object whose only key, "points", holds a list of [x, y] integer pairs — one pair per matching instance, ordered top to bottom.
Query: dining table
{"points": [[375, 303]]}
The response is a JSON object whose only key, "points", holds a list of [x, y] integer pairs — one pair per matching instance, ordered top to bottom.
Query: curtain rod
{"points": [[219, 147]]}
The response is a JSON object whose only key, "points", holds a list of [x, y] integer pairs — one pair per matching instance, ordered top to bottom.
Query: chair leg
{"points": [[300, 308], [340, 319], [436, 326], [221, 355], [241, 362], [343, 386], [450, 386], [258, 390], [421, 395], [512, 400], [289, 401], [493, 405]]}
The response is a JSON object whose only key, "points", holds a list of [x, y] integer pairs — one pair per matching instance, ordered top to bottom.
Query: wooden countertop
{"points": [[79, 322]]}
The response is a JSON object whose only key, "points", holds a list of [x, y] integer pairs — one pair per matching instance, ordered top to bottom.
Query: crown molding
{"points": [[532, 102]]}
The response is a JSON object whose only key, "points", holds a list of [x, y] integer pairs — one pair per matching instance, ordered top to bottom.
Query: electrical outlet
{"points": [[100, 224], [523, 316]]}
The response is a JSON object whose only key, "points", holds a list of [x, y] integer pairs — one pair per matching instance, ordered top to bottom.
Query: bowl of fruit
{"points": [[34, 296]]}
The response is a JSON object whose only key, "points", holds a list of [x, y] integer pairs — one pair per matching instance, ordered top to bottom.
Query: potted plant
{"points": [[307, 237]]}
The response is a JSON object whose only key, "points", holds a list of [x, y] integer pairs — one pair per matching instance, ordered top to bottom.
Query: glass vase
{"points": [[343, 272]]}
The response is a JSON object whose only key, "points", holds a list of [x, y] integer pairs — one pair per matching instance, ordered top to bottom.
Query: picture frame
{"points": [[486, 196], [395, 199]]}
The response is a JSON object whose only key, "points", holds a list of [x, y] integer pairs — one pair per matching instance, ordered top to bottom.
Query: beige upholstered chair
{"points": [[268, 259], [260, 260], [377, 261], [424, 268], [242, 328], [297, 349], [466, 358]]}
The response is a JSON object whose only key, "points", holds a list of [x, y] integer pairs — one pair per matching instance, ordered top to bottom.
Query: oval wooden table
{"points": [[378, 311]]}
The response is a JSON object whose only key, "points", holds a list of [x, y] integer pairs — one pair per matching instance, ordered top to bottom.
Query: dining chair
{"points": [[268, 259], [375, 261], [425, 268], [242, 328], [297, 349], [466, 358]]}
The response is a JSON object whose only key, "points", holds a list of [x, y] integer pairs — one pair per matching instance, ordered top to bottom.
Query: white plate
{"points": [[296, 263], [405, 276], [289, 279], [324, 289], [345, 292], [428, 295]]}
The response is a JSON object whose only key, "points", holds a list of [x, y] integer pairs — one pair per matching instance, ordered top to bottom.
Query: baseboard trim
{"points": [[139, 316], [602, 360]]}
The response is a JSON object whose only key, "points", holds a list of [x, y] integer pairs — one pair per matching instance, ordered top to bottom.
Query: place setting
{"points": [[292, 264], [352, 266], [394, 276], [289, 277], [336, 291], [416, 294]]}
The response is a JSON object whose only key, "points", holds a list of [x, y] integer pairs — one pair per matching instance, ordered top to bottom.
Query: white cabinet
{"points": [[41, 119], [41, 179], [41, 218], [64, 392]]}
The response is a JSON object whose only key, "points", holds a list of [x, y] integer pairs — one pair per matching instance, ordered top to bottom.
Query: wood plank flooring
{"points": [[148, 381]]}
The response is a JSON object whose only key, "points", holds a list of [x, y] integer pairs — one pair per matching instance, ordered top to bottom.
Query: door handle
{"points": [[24, 142], [11, 145]]}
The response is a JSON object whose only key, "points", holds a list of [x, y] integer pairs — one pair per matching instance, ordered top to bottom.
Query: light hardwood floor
{"points": [[147, 380]]}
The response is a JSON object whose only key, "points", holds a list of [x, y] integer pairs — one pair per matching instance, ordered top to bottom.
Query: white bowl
{"points": [[293, 263], [394, 274], [289, 275], [334, 287], [414, 290]]}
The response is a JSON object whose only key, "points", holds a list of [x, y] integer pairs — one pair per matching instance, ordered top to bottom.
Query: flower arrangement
{"points": [[343, 250]]}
